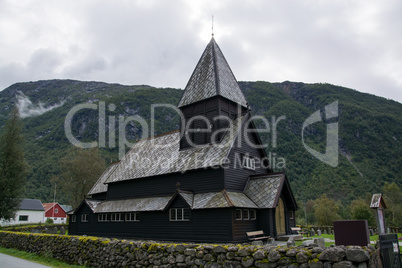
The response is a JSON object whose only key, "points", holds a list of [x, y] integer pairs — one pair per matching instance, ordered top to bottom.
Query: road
{"points": [[7, 261]]}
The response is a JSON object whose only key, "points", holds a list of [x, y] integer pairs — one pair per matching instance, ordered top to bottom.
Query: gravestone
{"points": [[62, 231], [325, 231], [312, 232], [319, 232], [371, 232], [351, 233], [291, 242], [320, 242]]}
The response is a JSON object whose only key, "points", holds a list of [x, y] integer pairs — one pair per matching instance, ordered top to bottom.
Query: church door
{"points": [[280, 218]]}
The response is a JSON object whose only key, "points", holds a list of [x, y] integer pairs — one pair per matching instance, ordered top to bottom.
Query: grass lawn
{"points": [[36, 258]]}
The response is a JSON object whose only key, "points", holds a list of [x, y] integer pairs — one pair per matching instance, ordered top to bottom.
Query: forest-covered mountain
{"points": [[370, 127]]}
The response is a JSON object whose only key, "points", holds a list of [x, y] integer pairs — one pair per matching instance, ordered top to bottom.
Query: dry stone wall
{"points": [[102, 252]]}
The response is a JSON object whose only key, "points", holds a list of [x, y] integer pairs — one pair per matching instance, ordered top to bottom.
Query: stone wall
{"points": [[43, 228], [102, 252]]}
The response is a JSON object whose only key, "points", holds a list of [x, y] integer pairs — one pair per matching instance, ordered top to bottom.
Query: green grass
{"points": [[36, 258]]}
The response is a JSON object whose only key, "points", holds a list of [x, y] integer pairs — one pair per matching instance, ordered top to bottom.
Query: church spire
{"points": [[212, 77]]}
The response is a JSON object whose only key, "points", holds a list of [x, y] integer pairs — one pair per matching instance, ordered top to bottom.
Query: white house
{"points": [[30, 211]]}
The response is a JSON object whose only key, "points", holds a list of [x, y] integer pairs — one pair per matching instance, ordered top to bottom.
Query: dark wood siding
{"points": [[210, 109], [236, 177], [196, 181], [100, 196], [208, 225], [78, 227], [240, 227]]}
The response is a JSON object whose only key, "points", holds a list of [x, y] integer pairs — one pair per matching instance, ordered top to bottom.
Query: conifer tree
{"points": [[12, 166]]}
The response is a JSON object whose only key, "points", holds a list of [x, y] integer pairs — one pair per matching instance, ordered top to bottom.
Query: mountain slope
{"points": [[369, 129]]}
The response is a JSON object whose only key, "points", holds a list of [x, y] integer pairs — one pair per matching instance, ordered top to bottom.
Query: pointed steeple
{"points": [[212, 77]]}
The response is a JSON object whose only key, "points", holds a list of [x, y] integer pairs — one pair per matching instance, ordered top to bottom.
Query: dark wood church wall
{"points": [[236, 176], [196, 181], [205, 225]]}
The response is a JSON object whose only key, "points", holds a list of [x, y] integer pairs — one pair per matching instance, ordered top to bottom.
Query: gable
{"points": [[265, 190]]}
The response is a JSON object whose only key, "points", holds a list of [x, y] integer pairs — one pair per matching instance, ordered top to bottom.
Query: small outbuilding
{"points": [[30, 211], [55, 212]]}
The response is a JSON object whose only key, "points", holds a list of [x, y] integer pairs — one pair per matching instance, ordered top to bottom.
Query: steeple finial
{"points": [[212, 25]]}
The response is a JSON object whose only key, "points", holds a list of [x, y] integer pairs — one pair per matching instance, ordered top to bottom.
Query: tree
{"points": [[13, 167], [80, 169], [393, 200], [360, 210], [325, 211]]}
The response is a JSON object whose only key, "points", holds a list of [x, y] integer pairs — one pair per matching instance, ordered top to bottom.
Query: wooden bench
{"points": [[297, 230], [256, 235]]}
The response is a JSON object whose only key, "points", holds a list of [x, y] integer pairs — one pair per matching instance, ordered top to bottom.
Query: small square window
{"points": [[248, 162], [56, 210], [179, 214], [246, 214], [253, 214], [291, 214], [238, 215], [134, 216], [103, 217], [117, 217], [73, 218], [84, 218]]}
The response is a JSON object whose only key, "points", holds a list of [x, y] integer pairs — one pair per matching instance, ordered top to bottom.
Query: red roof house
{"points": [[56, 212]]}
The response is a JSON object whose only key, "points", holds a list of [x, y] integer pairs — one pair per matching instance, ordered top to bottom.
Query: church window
{"points": [[248, 162], [179, 214], [239, 214], [133, 216], [104, 217], [117, 217], [84, 218]]}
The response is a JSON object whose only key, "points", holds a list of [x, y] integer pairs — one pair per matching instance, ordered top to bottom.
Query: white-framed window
{"points": [[248, 162], [56, 210], [179, 214], [246, 214], [253, 214], [291, 214], [239, 215], [133, 216], [104, 217], [117, 217], [23, 218], [73, 218], [84, 218]]}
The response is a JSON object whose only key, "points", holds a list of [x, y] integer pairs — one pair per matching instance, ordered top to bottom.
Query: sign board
{"points": [[351, 233]]}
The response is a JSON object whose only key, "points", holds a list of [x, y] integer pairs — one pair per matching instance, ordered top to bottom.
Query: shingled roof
{"points": [[212, 77], [162, 155], [100, 186], [264, 191], [221, 199], [31, 204]]}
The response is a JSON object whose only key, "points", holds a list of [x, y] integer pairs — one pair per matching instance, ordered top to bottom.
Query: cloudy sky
{"points": [[356, 44]]}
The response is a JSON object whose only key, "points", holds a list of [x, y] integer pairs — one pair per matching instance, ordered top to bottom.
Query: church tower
{"points": [[211, 97]]}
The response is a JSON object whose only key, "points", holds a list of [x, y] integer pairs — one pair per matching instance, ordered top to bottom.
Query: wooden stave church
{"points": [[176, 186]]}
